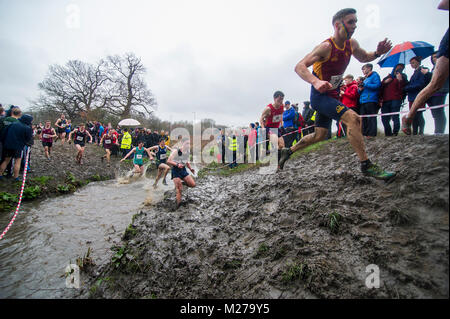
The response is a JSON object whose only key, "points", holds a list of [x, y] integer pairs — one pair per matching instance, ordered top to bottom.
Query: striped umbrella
{"points": [[402, 53]]}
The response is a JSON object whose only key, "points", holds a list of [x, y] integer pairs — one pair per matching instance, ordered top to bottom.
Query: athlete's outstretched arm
{"points": [[320, 53], [363, 56], [438, 79], [264, 115], [129, 153]]}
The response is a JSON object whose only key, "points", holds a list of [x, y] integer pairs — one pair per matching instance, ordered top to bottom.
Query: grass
{"points": [[43, 180], [334, 222], [296, 271]]}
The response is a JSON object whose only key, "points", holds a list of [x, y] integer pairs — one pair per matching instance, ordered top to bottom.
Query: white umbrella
{"points": [[129, 122]]}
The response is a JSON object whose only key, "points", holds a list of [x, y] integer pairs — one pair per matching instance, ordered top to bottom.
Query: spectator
{"points": [[415, 85], [393, 95], [349, 96], [369, 96], [438, 98], [2, 111], [307, 116], [288, 124], [299, 124], [100, 132], [17, 136], [156, 137], [148, 138], [258, 139], [126, 142], [252, 142], [221, 144]]}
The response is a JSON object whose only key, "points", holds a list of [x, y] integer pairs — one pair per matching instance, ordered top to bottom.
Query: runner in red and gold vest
{"points": [[329, 60]]}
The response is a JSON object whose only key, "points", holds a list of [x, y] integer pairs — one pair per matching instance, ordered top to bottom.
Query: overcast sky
{"points": [[221, 59]]}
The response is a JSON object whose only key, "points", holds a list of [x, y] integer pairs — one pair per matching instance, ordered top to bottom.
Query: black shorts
{"points": [[443, 47], [327, 107], [60, 130], [78, 143], [49, 144], [12, 153], [179, 173]]}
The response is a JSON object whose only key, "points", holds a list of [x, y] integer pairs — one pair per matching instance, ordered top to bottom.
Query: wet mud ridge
{"points": [[309, 231]]}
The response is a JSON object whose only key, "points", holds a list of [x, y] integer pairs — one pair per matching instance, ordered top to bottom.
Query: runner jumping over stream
{"points": [[138, 159], [161, 159]]}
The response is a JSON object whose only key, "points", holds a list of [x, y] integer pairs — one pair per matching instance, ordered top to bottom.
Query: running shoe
{"points": [[406, 125], [285, 154], [377, 172], [164, 182], [155, 185]]}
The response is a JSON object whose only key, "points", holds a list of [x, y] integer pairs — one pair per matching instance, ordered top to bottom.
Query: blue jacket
{"points": [[415, 85], [371, 90], [289, 117], [19, 133]]}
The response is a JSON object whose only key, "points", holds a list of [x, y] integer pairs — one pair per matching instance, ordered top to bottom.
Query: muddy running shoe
{"points": [[406, 125], [285, 154], [373, 170], [164, 182], [155, 185]]}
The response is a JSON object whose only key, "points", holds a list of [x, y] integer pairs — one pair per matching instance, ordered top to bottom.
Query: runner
{"points": [[330, 60], [272, 117], [61, 124], [68, 129], [46, 136], [79, 141], [108, 141], [161, 159], [138, 160], [179, 160]]}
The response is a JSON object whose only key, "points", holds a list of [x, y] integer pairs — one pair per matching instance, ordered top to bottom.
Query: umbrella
{"points": [[402, 53], [129, 122]]}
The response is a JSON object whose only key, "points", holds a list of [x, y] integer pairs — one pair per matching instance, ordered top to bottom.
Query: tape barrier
{"points": [[401, 112], [20, 197]]}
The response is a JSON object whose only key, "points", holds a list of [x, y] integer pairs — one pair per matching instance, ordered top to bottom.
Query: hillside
{"points": [[309, 231]]}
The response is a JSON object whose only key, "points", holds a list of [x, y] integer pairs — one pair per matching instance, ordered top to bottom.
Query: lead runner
{"points": [[330, 60]]}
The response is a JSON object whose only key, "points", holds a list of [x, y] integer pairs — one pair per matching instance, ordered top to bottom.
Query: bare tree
{"points": [[73, 89], [127, 91]]}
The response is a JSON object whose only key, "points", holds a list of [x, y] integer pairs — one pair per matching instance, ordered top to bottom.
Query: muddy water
{"points": [[46, 237]]}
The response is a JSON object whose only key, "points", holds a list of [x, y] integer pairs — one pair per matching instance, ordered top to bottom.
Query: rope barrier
{"points": [[401, 112], [20, 197]]}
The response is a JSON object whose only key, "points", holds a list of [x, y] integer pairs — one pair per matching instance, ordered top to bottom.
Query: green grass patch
{"points": [[312, 148], [43, 180], [31, 192], [334, 222], [296, 271]]}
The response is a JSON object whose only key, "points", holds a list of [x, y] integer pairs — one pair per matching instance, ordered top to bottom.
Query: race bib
{"points": [[336, 81], [277, 118], [46, 136], [80, 138], [107, 141], [138, 156], [163, 156]]}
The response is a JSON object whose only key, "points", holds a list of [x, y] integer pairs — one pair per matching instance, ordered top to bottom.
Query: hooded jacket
{"points": [[416, 84], [394, 90], [371, 91], [351, 95], [289, 117], [19, 133]]}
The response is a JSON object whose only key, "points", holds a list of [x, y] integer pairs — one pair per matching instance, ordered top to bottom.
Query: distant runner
{"points": [[330, 60], [272, 117], [61, 124], [46, 136], [80, 140], [107, 141], [138, 160], [161, 160], [179, 160]]}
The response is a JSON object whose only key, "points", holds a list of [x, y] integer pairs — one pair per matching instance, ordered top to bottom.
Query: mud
{"points": [[309, 231]]}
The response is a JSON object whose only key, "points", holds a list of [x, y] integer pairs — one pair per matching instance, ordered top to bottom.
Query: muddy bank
{"points": [[60, 175], [307, 232]]}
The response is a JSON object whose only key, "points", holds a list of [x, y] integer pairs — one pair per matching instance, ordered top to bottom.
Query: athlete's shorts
{"points": [[443, 46], [327, 108], [60, 130], [78, 143], [49, 144], [12, 153], [179, 172]]}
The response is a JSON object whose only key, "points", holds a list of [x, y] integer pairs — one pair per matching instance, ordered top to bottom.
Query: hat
{"points": [[287, 102]]}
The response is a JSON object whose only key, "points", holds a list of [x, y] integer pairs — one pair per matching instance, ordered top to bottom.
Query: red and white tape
{"points": [[401, 112], [20, 197]]}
